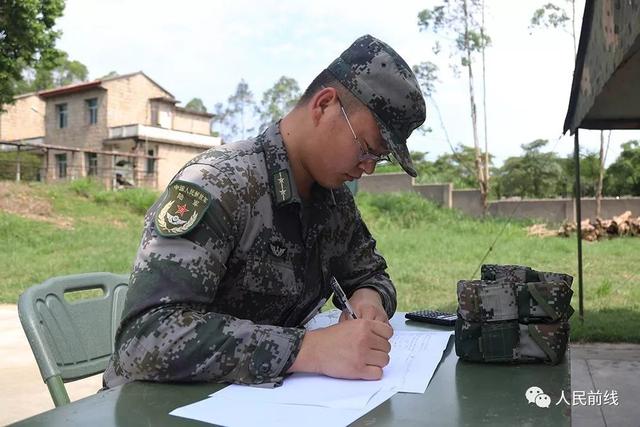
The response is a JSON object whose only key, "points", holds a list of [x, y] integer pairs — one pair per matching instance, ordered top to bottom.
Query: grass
{"points": [[103, 236], [428, 250]]}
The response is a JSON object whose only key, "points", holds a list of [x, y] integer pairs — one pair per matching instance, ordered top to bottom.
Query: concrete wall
{"points": [[129, 100], [20, 121], [189, 122], [78, 133], [172, 158], [385, 183], [438, 193], [467, 201], [470, 202], [549, 210]]}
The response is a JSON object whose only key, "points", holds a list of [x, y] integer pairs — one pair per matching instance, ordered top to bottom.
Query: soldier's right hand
{"points": [[354, 349]]}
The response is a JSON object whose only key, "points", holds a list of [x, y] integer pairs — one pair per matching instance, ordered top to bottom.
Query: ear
{"points": [[321, 100]]}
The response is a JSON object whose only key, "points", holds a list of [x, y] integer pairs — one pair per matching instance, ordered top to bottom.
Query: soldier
{"points": [[239, 251]]}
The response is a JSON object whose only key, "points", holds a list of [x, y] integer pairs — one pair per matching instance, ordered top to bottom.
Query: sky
{"points": [[200, 48]]}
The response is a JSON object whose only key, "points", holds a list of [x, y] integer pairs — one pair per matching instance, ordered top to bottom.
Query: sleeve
{"points": [[362, 266], [167, 333]]}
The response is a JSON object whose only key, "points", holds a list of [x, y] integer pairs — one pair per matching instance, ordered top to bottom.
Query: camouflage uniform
{"points": [[232, 262], [223, 298], [513, 313]]}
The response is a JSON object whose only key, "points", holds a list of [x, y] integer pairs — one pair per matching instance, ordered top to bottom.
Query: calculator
{"points": [[432, 316]]}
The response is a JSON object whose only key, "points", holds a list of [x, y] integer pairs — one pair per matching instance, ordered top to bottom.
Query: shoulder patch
{"points": [[182, 209]]}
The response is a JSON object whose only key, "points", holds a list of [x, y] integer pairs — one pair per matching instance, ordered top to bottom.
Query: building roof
{"points": [[94, 84], [65, 90], [605, 91], [194, 112]]}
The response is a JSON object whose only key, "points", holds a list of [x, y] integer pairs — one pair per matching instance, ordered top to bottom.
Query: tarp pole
{"points": [[576, 155]]}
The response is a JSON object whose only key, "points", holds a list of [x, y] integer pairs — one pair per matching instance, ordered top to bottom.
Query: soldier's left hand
{"points": [[367, 304]]}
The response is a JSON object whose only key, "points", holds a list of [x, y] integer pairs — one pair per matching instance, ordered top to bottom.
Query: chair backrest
{"points": [[72, 339]]}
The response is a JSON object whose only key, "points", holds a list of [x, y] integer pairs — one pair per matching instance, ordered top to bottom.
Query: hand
{"points": [[367, 304], [357, 349]]}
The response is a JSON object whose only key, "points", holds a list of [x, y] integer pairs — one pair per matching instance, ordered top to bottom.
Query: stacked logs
{"points": [[592, 230]]}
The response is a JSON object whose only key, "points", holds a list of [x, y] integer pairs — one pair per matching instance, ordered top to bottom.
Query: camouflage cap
{"points": [[375, 74]]}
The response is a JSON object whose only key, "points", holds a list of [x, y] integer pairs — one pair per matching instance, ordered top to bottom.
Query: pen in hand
{"points": [[342, 297]]}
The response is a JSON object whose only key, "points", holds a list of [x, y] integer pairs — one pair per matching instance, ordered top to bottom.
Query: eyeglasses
{"points": [[365, 155]]}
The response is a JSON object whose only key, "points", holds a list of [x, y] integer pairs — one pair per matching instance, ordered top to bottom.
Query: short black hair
{"points": [[327, 79]]}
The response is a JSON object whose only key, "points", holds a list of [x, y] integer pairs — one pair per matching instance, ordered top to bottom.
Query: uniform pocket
{"points": [[270, 276]]}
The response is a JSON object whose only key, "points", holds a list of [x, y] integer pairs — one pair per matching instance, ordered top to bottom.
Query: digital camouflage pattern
{"points": [[375, 74], [225, 299], [494, 301], [514, 313], [510, 341]]}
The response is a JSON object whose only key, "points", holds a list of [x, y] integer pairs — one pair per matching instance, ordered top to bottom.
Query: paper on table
{"points": [[414, 359], [308, 389], [240, 413]]}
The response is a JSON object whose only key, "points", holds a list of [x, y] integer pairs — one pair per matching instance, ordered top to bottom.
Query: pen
{"points": [[342, 297]]}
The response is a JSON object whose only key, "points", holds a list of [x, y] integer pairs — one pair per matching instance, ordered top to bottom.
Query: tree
{"points": [[553, 16], [457, 20], [27, 37], [61, 72], [109, 75], [278, 101], [196, 105], [239, 108], [457, 167], [535, 174], [623, 175]]}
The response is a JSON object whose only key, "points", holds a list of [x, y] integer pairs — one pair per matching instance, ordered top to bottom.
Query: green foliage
{"points": [[549, 16], [457, 21], [27, 37], [46, 75], [278, 100], [196, 105], [233, 120], [30, 164], [536, 174], [623, 175], [138, 199], [403, 210]]}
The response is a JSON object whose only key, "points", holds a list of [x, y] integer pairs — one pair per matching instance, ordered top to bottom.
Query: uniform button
{"points": [[264, 368]]}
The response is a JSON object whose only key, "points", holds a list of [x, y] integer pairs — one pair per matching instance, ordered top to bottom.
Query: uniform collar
{"points": [[281, 181]]}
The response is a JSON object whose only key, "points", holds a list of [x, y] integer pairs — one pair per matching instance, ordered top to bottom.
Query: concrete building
{"points": [[125, 130]]}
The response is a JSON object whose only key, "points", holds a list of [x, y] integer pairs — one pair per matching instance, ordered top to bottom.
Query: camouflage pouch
{"points": [[521, 273], [494, 301], [513, 314], [510, 341]]}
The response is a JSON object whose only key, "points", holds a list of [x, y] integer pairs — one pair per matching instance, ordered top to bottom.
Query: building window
{"points": [[92, 108], [62, 112], [151, 163], [92, 164], [61, 165]]}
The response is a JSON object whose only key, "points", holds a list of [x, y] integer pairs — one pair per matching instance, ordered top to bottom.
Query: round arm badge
{"points": [[182, 209]]}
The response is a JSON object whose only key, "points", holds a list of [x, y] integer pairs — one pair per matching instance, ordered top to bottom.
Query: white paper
{"points": [[308, 389], [312, 399], [240, 413]]}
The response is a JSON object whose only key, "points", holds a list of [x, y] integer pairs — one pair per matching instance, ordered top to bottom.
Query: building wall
{"points": [[128, 101], [20, 121], [193, 123], [78, 133], [172, 158], [385, 183], [438, 193], [467, 201], [470, 202]]}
